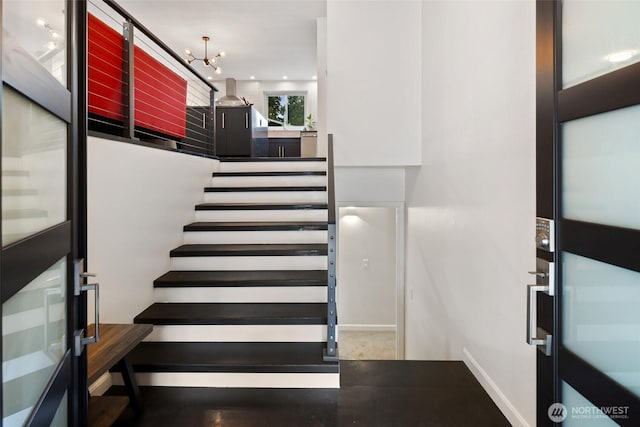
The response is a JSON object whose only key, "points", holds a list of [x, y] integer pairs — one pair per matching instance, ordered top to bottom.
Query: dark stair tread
{"points": [[272, 159], [15, 173], [271, 173], [265, 189], [20, 192], [258, 206], [24, 213], [256, 226], [266, 249], [242, 278], [234, 314], [276, 357]]}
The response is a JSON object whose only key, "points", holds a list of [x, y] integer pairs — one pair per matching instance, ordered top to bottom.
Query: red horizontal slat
{"points": [[160, 94]]}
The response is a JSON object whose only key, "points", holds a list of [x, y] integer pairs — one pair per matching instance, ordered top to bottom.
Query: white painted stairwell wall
{"points": [[373, 82], [445, 91], [139, 199], [471, 206]]}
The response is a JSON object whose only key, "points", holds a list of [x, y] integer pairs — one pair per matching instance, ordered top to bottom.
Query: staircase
{"points": [[245, 302]]}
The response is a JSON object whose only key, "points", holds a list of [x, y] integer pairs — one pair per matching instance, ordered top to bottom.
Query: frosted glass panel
{"points": [[39, 27], [598, 37], [34, 157], [601, 176], [601, 320], [33, 341], [582, 413], [62, 414]]}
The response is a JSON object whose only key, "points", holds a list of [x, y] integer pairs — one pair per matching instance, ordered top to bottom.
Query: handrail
{"points": [[122, 12], [331, 351]]}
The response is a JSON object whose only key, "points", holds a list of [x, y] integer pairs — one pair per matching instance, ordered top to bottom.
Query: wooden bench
{"points": [[116, 341]]}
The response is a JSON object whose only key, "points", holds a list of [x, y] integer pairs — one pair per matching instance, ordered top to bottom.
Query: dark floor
{"points": [[372, 393]]}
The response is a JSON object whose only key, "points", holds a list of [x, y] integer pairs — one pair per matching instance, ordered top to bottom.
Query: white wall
{"points": [[368, 44], [253, 91], [321, 125], [374, 184], [138, 201], [471, 206], [367, 289]]}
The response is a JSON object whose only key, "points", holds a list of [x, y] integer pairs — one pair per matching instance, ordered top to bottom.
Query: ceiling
{"points": [[267, 39]]}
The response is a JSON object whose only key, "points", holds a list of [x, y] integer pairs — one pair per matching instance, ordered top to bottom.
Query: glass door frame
{"points": [[613, 245], [26, 259]]}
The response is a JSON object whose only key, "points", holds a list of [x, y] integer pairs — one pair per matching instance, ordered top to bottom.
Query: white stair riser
{"points": [[12, 163], [287, 166], [268, 181], [15, 182], [267, 197], [20, 202], [263, 215], [24, 225], [241, 237], [249, 263], [278, 294], [28, 319], [238, 333], [235, 379]]}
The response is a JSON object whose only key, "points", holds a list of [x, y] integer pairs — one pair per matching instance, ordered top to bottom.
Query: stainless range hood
{"points": [[230, 99]]}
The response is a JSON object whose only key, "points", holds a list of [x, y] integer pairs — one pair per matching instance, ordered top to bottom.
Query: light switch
{"points": [[365, 263]]}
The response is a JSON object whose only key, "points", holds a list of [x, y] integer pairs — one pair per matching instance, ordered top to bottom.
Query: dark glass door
{"points": [[589, 183], [42, 380]]}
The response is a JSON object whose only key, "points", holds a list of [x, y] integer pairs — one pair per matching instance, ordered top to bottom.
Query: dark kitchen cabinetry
{"points": [[199, 130], [240, 131], [284, 147]]}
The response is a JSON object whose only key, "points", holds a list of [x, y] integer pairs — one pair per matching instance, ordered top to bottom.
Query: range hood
{"points": [[231, 99]]}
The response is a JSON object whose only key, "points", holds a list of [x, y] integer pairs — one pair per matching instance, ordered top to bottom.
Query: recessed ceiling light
{"points": [[40, 22], [51, 45], [621, 56], [252, 77], [284, 77], [315, 77], [209, 78]]}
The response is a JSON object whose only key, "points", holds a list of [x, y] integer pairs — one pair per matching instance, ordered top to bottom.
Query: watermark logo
{"points": [[557, 412]]}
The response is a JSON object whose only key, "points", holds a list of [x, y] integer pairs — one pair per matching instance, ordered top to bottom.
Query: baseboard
{"points": [[366, 328], [101, 385], [507, 409]]}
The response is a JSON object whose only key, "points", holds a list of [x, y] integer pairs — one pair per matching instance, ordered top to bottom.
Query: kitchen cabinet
{"points": [[240, 131], [199, 135], [308, 143], [284, 147]]}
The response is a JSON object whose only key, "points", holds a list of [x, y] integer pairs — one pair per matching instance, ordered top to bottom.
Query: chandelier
{"points": [[209, 62]]}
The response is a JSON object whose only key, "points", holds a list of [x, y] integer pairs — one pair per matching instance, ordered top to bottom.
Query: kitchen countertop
{"points": [[284, 133]]}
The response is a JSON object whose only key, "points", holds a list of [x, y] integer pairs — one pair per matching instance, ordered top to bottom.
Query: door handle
{"points": [[204, 120], [222, 120], [246, 120], [535, 335], [79, 339]]}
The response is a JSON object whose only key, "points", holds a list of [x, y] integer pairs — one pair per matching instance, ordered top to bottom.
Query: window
{"points": [[286, 110]]}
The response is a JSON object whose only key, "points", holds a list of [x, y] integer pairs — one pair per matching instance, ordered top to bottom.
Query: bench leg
{"points": [[129, 378]]}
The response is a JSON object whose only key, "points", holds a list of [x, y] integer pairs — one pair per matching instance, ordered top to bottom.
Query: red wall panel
{"points": [[105, 70], [160, 94]]}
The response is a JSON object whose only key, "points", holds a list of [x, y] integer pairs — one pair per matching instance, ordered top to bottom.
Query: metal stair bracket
{"points": [[80, 285]]}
